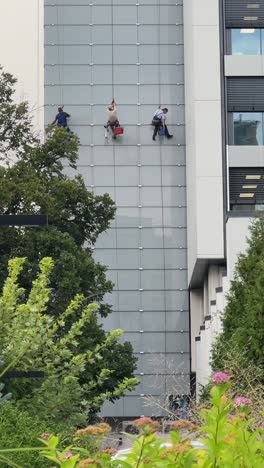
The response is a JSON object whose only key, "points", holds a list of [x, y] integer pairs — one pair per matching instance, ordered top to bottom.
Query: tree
{"points": [[15, 126], [36, 184], [243, 321], [29, 340]]}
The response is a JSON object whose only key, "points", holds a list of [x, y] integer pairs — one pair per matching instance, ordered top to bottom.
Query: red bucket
{"points": [[118, 131]]}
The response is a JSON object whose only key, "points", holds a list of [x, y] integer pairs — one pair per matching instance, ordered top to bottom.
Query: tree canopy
{"points": [[33, 181], [243, 321]]}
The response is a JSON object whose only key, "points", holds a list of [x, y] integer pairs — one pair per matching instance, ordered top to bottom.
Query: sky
{"points": [[21, 50]]}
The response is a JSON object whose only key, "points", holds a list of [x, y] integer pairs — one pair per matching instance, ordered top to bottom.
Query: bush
{"points": [[243, 316], [19, 429], [227, 438]]}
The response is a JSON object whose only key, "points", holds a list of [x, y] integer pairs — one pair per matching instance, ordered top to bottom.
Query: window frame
{"points": [[229, 45], [231, 127]]}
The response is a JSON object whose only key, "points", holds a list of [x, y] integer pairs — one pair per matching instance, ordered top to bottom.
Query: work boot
{"points": [[169, 136], [153, 138]]}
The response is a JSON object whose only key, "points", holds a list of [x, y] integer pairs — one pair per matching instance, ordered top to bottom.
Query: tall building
{"points": [[132, 51], [202, 60], [224, 83]]}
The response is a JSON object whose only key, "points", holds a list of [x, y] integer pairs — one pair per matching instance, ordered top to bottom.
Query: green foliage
{"points": [[15, 126], [36, 183], [243, 321], [29, 340], [4, 398], [19, 429], [227, 441]]}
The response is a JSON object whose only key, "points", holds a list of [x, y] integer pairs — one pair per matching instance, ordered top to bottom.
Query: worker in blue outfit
{"points": [[61, 119], [159, 122]]}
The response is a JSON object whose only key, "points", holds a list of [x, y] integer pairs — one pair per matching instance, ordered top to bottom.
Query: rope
{"points": [[59, 55], [114, 152], [139, 169], [162, 201]]}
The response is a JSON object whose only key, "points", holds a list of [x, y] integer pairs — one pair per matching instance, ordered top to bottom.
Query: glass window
{"points": [[246, 42], [248, 128], [246, 207]]}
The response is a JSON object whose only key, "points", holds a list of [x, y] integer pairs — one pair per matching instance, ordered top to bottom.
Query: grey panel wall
{"points": [[145, 248]]}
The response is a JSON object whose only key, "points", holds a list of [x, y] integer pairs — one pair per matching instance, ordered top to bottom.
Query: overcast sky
{"points": [[21, 48]]}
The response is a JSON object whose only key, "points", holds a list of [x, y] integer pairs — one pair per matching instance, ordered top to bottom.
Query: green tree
{"points": [[35, 183], [243, 321], [29, 340]]}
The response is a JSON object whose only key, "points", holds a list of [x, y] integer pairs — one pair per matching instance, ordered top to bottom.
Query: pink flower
{"points": [[220, 377], [242, 401], [230, 417], [262, 426], [45, 436], [68, 455]]}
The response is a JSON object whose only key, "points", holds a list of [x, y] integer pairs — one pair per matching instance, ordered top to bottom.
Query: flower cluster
{"points": [[220, 377], [242, 401], [146, 423], [182, 424], [97, 430], [45, 436], [177, 448], [109, 451], [88, 462]]}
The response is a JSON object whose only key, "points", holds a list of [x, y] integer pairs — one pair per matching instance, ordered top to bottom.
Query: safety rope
{"points": [[59, 57], [114, 153], [139, 167], [162, 201]]}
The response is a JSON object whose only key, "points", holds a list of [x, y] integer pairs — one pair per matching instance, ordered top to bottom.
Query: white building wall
{"points": [[22, 53], [203, 132], [237, 232]]}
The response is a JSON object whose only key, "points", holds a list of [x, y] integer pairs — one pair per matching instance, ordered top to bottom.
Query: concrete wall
{"points": [[22, 53], [244, 65], [203, 132], [245, 156], [237, 232], [145, 248]]}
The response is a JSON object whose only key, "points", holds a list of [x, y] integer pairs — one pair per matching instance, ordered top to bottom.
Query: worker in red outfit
{"points": [[112, 121]]}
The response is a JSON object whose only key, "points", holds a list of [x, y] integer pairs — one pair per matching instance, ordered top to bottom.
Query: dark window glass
{"points": [[246, 42], [247, 128], [243, 207], [246, 207]]}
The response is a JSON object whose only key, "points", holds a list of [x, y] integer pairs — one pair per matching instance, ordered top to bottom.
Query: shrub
{"points": [[19, 429], [227, 440]]}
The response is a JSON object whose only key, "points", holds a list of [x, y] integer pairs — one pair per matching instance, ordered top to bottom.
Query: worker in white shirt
{"points": [[112, 116], [159, 121]]}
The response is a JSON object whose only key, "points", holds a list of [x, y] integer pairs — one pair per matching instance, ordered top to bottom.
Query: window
{"points": [[247, 41], [247, 128], [246, 188], [243, 207]]}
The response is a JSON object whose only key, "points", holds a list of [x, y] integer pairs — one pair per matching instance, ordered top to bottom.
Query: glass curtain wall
{"points": [[134, 53]]}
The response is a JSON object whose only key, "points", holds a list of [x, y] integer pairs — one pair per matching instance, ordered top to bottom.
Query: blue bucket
{"points": [[162, 132]]}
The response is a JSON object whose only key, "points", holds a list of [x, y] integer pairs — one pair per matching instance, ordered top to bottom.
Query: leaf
{"points": [[53, 442]]}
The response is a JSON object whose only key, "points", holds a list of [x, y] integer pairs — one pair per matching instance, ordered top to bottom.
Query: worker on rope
{"points": [[61, 120], [112, 121], [159, 122]]}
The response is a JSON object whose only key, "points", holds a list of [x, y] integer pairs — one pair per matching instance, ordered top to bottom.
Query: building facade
{"points": [[132, 51], [224, 154], [183, 205]]}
